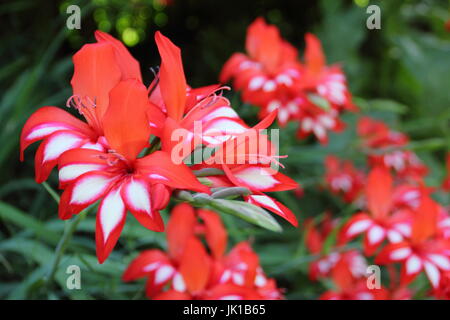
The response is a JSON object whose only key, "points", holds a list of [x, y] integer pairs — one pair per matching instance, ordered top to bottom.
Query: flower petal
{"points": [[314, 57], [128, 65], [96, 72], [172, 80], [47, 120], [125, 122], [52, 148], [159, 168], [83, 192], [379, 192], [136, 195], [274, 206], [110, 221], [179, 229], [215, 233], [146, 262], [195, 266]]}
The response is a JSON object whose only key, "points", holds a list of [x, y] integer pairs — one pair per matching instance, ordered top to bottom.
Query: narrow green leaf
{"points": [[247, 212]]}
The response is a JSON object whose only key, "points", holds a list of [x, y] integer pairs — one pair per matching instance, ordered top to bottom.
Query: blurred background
{"points": [[399, 73]]}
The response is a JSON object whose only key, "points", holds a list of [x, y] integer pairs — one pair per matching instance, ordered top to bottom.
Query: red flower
{"points": [[269, 66], [98, 68], [272, 78], [327, 81], [187, 108], [317, 121], [385, 149], [246, 161], [119, 177], [343, 178], [382, 220], [426, 249], [323, 266], [189, 272], [351, 286]]}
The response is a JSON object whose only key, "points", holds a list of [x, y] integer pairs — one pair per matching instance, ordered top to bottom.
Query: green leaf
{"points": [[319, 101], [388, 105], [247, 212], [21, 219]]}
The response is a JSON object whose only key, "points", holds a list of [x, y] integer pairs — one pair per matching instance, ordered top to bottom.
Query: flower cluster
{"points": [[271, 77], [386, 148], [128, 153], [398, 219], [190, 271]]}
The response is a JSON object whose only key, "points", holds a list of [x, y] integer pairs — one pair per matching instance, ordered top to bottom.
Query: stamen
{"points": [[86, 107], [112, 158]]}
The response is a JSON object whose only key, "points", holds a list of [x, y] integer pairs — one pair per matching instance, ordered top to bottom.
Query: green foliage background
{"points": [[399, 74]]}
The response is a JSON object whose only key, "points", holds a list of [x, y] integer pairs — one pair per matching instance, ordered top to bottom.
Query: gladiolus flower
{"points": [[98, 68], [382, 221], [425, 249], [190, 272]]}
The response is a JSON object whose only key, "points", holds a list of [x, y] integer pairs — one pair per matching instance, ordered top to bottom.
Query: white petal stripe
{"points": [[59, 143], [73, 171], [255, 177], [89, 188], [137, 195], [112, 211], [358, 227], [400, 254], [441, 261], [413, 264], [433, 274]]}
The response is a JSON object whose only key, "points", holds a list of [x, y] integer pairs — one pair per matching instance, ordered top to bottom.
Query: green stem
{"points": [[63, 243]]}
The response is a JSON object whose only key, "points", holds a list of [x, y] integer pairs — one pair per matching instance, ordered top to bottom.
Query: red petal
{"points": [[264, 43], [314, 57], [128, 65], [231, 67], [96, 72], [172, 81], [156, 119], [46, 121], [125, 122], [52, 148], [75, 162], [159, 168], [259, 178], [86, 190], [379, 192], [136, 194], [160, 196], [274, 206], [425, 219], [110, 221], [357, 224], [180, 228], [216, 235], [242, 253], [385, 255], [195, 266], [137, 270]]}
